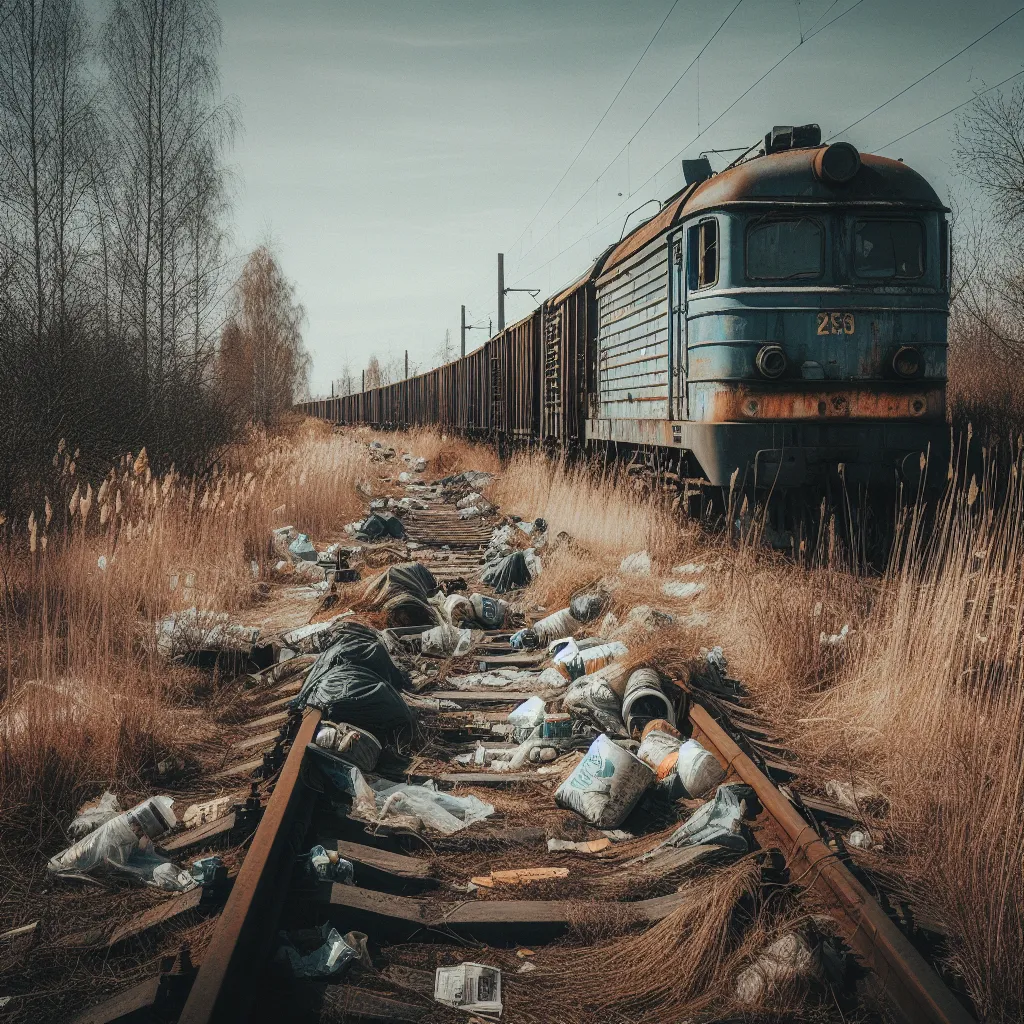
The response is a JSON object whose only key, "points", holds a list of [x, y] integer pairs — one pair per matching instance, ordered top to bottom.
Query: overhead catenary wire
{"points": [[918, 81], [952, 110], [600, 121], [695, 139], [630, 140]]}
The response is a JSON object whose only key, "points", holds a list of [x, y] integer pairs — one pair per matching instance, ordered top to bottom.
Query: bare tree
{"points": [[47, 135], [167, 195], [989, 260], [263, 362], [373, 376]]}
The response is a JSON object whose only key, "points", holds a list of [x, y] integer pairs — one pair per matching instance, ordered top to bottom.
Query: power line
{"points": [[822, 15], [923, 77], [951, 110], [685, 147], [572, 164], [586, 191]]}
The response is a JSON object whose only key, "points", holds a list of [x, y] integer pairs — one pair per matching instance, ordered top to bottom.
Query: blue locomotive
{"points": [[779, 325]]}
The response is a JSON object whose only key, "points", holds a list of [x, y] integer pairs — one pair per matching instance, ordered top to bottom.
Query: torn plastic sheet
{"points": [[301, 549], [358, 645], [356, 694], [400, 804], [719, 822]]}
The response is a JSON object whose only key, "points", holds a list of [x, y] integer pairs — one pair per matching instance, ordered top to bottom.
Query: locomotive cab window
{"points": [[702, 247], [888, 249], [784, 250]]}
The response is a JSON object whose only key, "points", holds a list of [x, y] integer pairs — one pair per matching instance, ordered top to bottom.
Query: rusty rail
{"points": [[903, 972], [224, 987]]}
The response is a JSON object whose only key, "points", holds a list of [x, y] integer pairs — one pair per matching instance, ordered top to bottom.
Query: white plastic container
{"points": [[699, 770]]}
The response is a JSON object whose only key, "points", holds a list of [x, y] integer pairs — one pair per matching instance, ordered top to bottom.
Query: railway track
{"points": [[411, 895]]}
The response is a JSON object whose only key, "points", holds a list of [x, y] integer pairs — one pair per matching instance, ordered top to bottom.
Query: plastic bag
{"points": [[469, 499], [380, 525], [302, 550], [637, 564], [508, 574], [586, 607], [559, 624], [524, 640], [448, 642], [358, 645], [574, 662], [354, 694], [591, 699], [526, 718], [606, 785], [440, 811], [91, 816], [717, 823], [124, 844], [329, 866], [329, 959]]}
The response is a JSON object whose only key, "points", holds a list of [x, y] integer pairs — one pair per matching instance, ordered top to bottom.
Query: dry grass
{"points": [[924, 698]]}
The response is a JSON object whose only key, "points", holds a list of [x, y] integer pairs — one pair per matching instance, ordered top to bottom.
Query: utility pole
{"points": [[501, 292], [463, 330], [406, 364], [363, 388], [332, 389]]}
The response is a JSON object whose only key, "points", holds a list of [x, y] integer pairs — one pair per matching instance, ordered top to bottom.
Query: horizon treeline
{"points": [[114, 262]]}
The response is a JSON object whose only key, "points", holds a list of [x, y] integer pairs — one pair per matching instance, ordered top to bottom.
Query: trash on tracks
{"points": [[377, 526], [513, 571], [403, 593], [205, 636], [448, 641], [355, 746], [683, 765], [606, 785], [93, 814], [719, 822], [125, 844], [329, 866], [330, 958], [788, 962], [475, 988]]}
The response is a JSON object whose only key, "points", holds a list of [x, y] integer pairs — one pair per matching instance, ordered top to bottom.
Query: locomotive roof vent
{"points": [[786, 136], [836, 164]]}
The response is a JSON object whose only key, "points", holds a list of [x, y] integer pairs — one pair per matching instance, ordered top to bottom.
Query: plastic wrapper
{"points": [[586, 607], [559, 624], [606, 785]]}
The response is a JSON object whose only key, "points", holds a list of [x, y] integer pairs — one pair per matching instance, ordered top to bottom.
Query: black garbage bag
{"points": [[380, 524], [508, 574], [402, 592], [358, 645], [357, 695]]}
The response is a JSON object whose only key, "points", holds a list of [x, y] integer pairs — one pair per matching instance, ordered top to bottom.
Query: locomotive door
{"points": [[677, 326]]}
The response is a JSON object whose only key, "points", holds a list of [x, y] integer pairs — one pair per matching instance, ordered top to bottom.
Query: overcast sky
{"points": [[392, 147]]}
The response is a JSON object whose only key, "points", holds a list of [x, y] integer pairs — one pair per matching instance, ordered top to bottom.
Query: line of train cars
{"points": [[779, 326]]}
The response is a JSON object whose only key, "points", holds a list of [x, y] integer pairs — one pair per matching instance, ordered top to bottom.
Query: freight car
{"points": [[778, 326]]}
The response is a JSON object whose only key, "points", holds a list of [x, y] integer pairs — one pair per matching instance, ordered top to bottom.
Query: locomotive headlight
{"points": [[836, 164], [771, 361], [907, 362]]}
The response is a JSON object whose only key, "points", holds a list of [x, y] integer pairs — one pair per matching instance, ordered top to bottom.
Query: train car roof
{"points": [[786, 177]]}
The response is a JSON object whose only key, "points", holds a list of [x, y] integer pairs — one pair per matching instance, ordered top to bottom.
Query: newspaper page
{"points": [[475, 988]]}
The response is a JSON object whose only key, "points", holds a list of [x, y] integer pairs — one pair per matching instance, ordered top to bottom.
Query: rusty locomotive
{"points": [[778, 326]]}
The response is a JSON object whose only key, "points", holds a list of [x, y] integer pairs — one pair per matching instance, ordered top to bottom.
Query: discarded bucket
{"points": [[644, 701], [356, 746], [659, 747], [699, 770], [606, 785]]}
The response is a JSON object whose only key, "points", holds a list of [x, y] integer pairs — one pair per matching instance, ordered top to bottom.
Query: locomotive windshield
{"points": [[889, 249], [782, 250]]}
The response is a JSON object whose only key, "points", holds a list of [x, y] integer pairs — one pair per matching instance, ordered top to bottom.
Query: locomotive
{"points": [[777, 327]]}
